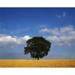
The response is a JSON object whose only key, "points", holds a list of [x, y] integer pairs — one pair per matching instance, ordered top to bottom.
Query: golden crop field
{"points": [[37, 63]]}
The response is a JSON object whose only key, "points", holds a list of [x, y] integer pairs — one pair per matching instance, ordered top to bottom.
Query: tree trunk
{"points": [[37, 58]]}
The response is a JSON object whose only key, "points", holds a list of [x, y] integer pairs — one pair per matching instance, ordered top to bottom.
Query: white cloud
{"points": [[63, 14], [45, 30], [61, 36], [26, 37], [7, 41]]}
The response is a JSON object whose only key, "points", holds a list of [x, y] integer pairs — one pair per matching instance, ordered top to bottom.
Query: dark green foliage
{"points": [[38, 47]]}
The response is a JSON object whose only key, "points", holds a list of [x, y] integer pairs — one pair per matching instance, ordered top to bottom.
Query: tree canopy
{"points": [[38, 47]]}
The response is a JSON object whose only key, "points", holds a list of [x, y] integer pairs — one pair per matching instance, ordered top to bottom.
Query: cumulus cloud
{"points": [[61, 36], [7, 41]]}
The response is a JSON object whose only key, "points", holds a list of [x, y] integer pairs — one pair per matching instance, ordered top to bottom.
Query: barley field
{"points": [[37, 63]]}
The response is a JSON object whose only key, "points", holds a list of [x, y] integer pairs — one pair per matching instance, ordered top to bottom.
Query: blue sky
{"points": [[17, 25]]}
